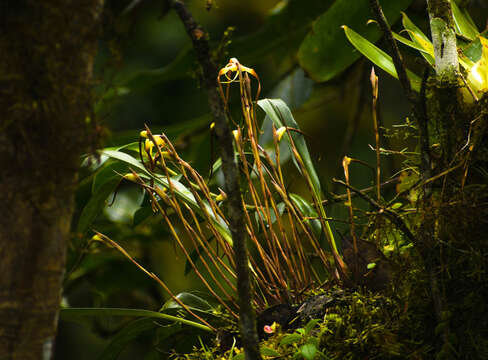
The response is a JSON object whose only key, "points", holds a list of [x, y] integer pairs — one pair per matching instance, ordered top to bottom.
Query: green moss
{"points": [[356, 325]]}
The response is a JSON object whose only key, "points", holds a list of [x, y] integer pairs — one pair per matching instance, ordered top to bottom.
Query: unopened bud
{"points": [[280, 132], [159, 140], [148, 145], [130, 177], [161, 192], [221, 197], [96, 237]]}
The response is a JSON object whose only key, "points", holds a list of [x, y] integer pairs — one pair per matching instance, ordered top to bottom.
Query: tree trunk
{"points": [[47, 50], [453, 227]]}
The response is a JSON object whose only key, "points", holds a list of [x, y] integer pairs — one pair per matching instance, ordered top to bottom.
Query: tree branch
{"points": [[229, 168]]}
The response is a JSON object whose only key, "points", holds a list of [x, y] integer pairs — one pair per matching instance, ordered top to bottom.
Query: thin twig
{"points": [[395, 52], [374, 86], [343, 197], [391, 215], [152, 275]]}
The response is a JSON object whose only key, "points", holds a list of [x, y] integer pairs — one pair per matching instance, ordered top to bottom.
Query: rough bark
{"points": [[47, 50]]}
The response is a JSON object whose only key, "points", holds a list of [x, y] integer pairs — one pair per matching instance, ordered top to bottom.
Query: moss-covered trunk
{"points": [[47, 50], [453, 225]]}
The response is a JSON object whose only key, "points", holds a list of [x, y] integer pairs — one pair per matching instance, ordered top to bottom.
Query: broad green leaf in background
{"points": [[285, 28], [281, 35], [325, 52], [379, 57], [180, 67], [108, 171], [125, 203]]}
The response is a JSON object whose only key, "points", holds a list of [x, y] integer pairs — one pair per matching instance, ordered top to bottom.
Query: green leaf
{"points": [[464, 24], [279, 39], [420, 39], [409, 43], [325, 52], [379, 57], [281, 115], [109, 170], [96, 204], [307, 210], [371, 266], [193, 301], [74, 314], [310, 325], [130, 332], [291, 339], [267, 351], [308, 351]]}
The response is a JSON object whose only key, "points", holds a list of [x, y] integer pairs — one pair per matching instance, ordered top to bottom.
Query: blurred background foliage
{"points": [[146, 73]]}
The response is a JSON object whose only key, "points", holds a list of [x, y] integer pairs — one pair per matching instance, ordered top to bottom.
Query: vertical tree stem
{"points": [[229, 167]]}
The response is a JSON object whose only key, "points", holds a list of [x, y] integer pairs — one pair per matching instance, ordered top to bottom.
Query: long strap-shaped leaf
{"points": [[378, 56], [281, 116], [74, 313]]}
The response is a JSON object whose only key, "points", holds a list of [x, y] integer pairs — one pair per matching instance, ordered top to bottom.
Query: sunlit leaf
{"points": [[464, 24], [419, 38], [378, 56], [478, 74], [291, 339]]}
